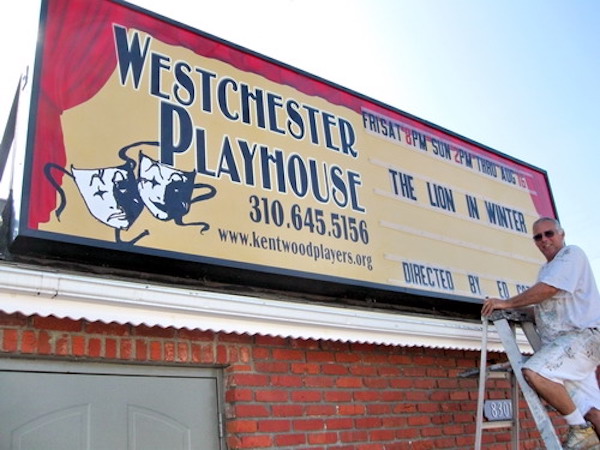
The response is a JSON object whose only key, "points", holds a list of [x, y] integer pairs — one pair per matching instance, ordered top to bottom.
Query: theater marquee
{"points": [[156, 139]]}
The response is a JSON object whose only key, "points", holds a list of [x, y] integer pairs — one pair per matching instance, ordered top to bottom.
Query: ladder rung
{"points": [[499, 375], [497, 424]]}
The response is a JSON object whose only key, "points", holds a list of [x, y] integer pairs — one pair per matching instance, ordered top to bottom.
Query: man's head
{"points": [[549, 236]]}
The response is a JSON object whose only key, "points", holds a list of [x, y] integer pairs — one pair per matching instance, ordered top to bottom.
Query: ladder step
{"points": [[497, 424]]}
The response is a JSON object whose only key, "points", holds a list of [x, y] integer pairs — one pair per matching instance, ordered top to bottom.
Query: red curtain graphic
{"points": [[79, 57]]}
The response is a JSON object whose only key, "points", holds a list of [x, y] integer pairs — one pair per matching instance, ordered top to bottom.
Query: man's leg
{"points": [[554, 393], [593, 416]]}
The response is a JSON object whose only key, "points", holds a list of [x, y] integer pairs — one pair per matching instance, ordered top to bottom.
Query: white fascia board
{"points": [[35, 291]]}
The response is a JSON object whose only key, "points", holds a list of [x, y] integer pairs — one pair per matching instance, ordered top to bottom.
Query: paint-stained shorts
{"points": [[571, 360]]}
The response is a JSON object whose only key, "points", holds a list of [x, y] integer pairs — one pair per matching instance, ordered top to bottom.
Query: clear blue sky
{"points": [[519, 76]]}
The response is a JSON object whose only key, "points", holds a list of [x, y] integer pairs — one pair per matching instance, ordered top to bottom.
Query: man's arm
{"points": [[535, 294]]}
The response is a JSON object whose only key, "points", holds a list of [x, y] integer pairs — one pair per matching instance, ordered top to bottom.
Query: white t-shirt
{"points": [[577, 304]]}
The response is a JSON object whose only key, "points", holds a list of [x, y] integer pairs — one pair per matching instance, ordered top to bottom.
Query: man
{"points": [[567, 312]]}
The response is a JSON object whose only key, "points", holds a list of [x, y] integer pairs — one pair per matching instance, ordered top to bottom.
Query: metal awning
{"points": [[31, 290]]}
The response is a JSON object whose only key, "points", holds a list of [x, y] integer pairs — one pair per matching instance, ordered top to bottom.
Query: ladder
{"points": [[505, 322]]}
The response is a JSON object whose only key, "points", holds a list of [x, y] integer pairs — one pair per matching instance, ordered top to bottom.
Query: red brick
{"points": [[13, 320], [56, 324], [108, 329], [154, 332], [195, 335], [234, 338], [10, 340], [270, 341], [28, 342], [306, 344], [62, 345], [78, 346], [94, 348], [110, 348], [126, 349], [141, 350], [156, 351], [169, 351], [183, 352], [261, 353], [207, 354], [222, 354], [288, 355], [320, 357], [347, 358], [376, 358], [401, 360], [272, 367], [241, 368], [308, 368], [334, 369], [363, 370], [390, 371], [417, 372], [248, 379], [286, 380], [320, 382], [349, 382], [377, 383], [402, 383], [424, 383], [447, 383], [233, 395], [459, 395], [271, 396], [306, 396], [338, 396], [397, 396], [417, 396], [403, 408], [428, 408], [379, 409], [253, 410], [287, 410], [320, 410], [350, 410], [419, 420], [368, 422], [339, 423], [308, 425], [242, 426], [274, 426], [453, 429], [381, 435], [354, 436], [322, 438], [290, 440], [256, 441], [446, 443]]}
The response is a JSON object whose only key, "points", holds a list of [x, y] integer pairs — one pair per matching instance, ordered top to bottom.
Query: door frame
{"points": [[128, 369]]}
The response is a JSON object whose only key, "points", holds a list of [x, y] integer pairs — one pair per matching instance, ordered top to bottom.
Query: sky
{"points": [[521, 77]]}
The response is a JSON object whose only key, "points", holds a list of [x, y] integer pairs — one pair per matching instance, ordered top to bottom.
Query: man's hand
{"points": [[492, 304]]}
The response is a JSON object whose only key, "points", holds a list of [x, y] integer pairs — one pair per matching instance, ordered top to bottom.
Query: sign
{"points": [[153, 138], [494, 410]]}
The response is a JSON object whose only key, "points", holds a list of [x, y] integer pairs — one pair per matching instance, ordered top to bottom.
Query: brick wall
{"points": [[298, 394]]}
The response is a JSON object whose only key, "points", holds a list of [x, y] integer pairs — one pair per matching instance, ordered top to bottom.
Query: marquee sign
{"points": [[153, 138]]}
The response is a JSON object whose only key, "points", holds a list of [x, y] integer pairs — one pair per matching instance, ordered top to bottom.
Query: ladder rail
{"points": [[482, 381], [537, 408]]}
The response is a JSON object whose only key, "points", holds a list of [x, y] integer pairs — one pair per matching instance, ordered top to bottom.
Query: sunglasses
{"points": [[548, 234]]}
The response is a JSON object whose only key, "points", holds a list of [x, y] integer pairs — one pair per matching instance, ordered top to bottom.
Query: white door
{"points": [[107, 407]]}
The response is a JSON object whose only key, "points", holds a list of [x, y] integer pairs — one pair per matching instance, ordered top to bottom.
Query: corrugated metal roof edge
{"points": [[32, 290]]}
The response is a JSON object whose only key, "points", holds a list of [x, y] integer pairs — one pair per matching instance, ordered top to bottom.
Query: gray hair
{"points": [[554, 221]]}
